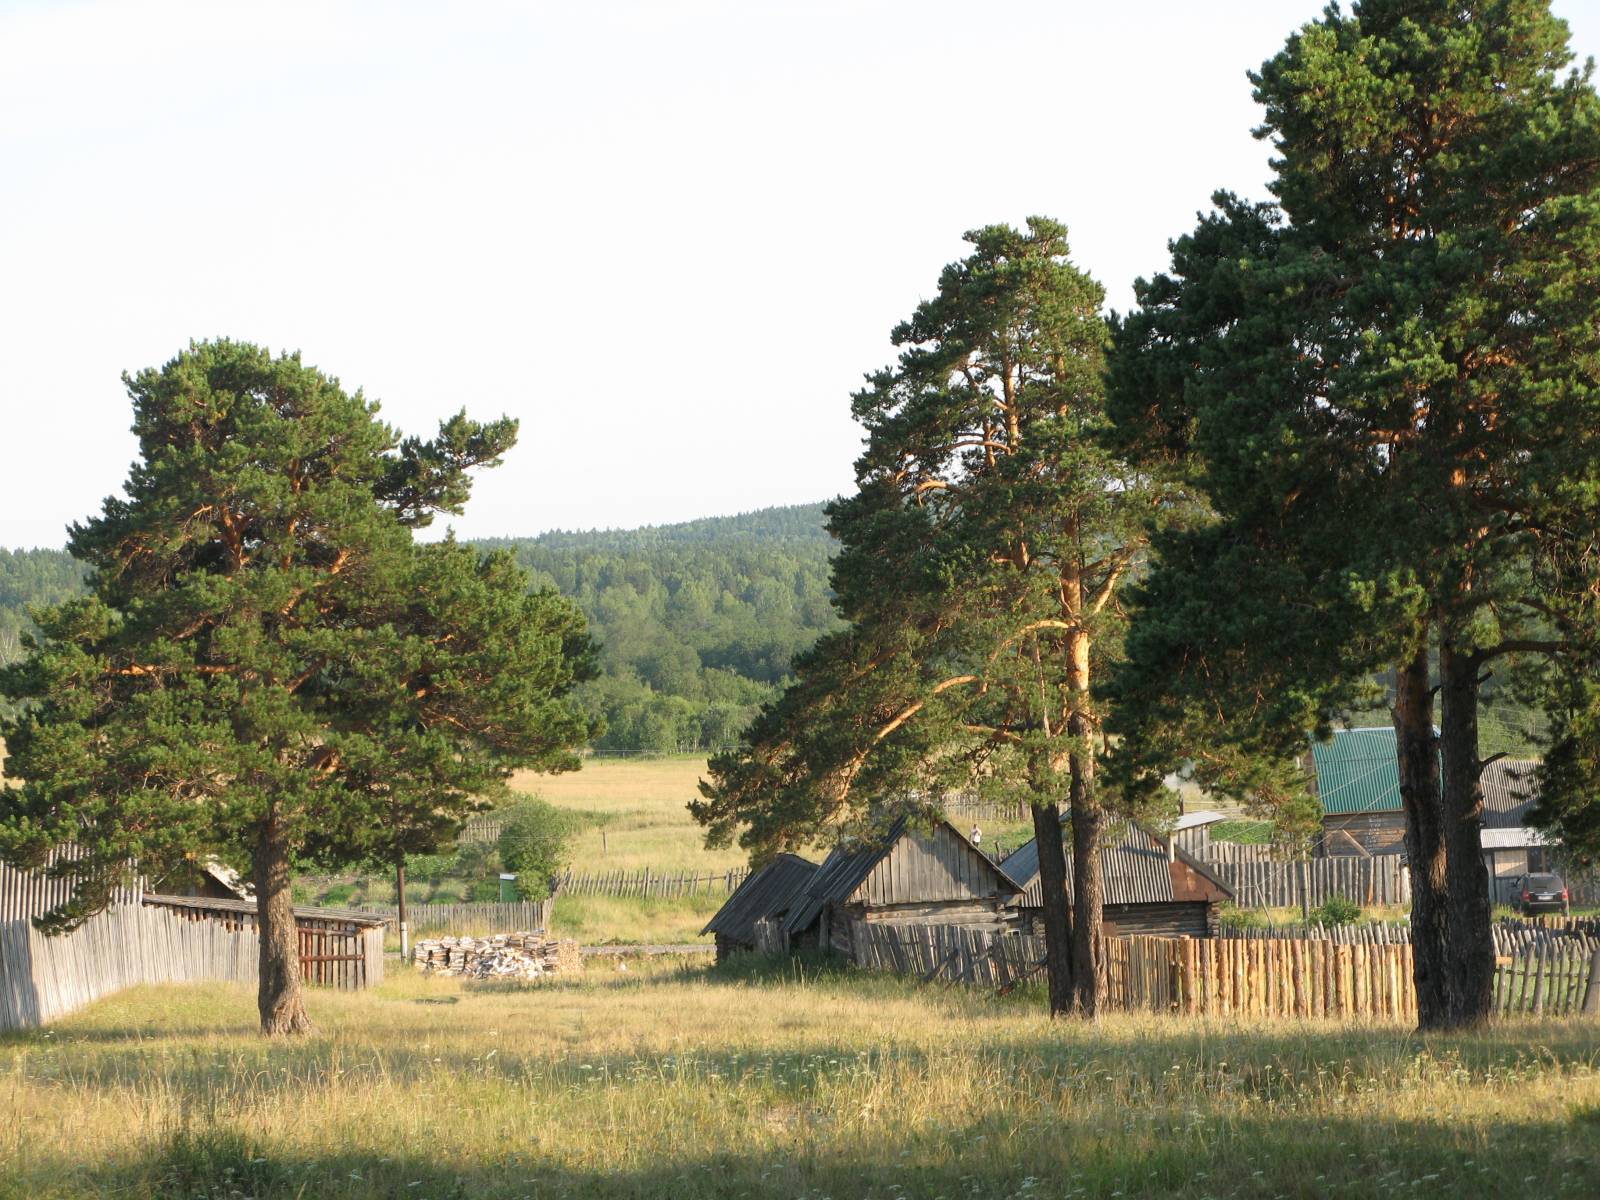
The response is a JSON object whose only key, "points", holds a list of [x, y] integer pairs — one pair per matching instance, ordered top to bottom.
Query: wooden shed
{"points": [[908, 876], [1151, 887], [766, 895], [339, 947]]}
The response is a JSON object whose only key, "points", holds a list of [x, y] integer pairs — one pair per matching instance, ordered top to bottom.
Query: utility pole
{"points": [[400, 899]]}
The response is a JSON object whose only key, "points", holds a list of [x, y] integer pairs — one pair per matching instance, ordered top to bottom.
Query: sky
{"points": [[670, 236]]}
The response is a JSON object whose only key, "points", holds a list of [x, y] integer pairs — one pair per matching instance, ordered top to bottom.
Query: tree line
{"points": [[697, 623]]}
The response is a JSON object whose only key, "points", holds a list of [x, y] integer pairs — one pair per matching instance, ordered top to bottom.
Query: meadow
{"points": [[758, 1078]]}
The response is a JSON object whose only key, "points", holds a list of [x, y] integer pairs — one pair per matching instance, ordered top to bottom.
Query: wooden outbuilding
{"points": [[910, 876], [1151, 887], [766, 896], [339, 947]]}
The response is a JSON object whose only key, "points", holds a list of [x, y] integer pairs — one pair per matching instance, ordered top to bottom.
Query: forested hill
{"points": [[698, 622]]}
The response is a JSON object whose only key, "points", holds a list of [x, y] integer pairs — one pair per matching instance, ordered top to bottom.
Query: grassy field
{"points": [[640, 814], [757, 1080]]}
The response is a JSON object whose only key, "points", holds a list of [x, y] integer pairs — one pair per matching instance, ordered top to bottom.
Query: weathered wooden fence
{"points": [[1211, 852], [1367, 881], [645, 883], [513, 917], [1382, 934], [1261, 977], [43, 978]]}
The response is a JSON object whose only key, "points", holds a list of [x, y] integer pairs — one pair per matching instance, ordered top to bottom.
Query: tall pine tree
{"points": [[1389, 380], [979, 568], [268, 665]]}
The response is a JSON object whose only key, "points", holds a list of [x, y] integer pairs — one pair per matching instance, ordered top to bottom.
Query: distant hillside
{"points": [[698, 622]]}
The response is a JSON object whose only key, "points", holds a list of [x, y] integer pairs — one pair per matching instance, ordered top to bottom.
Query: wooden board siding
{"points": [[1377, 833], [920, 867], [1189, 884], [1191, 918]]}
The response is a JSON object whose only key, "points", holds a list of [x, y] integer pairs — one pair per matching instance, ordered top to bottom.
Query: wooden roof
{"points": [[904, 866], [1135, 868], [767, 893], [350, 916]]}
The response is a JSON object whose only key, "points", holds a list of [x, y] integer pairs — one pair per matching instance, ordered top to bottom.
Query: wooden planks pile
{"points": [[525, 955]]}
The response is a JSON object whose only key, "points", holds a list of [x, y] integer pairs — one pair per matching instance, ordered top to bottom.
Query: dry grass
{"points": [[643, 805], [757, 1080]]}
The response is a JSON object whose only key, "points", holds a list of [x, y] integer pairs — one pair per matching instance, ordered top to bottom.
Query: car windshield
{"points": [[1544, 883]]}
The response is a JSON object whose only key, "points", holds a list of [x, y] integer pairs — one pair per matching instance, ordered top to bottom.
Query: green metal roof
{"points": [[1357, 771]]}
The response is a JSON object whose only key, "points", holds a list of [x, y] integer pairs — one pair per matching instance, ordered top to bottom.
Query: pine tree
{"points": [[1388, 381], [978, 571], [267, 666]]}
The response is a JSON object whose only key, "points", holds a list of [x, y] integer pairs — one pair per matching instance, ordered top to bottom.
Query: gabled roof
{"points": [[1358, 771], [848, 867], [1135, 869], [767, 893]]}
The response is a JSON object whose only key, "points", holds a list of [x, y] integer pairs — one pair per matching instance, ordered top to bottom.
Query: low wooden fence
{"points": [[1367, 881], [648, 884], [513, 917], [1257, 977]]}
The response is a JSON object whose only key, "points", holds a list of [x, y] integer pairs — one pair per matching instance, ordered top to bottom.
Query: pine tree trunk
{"points": [[1418, 758], [1088, 889], [1057, 920], [1469, 944], [278, 997]]}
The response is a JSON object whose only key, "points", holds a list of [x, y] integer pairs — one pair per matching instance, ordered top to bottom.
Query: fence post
{"points": [[1591, 991]]}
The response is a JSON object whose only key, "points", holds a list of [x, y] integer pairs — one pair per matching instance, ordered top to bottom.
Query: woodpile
{"points": [[500, 956]]}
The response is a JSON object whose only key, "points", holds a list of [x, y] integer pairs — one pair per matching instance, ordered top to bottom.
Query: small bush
{"points": [[534, 841], [484, 891], [338, 894], [1339, 910], [1231, 916]]}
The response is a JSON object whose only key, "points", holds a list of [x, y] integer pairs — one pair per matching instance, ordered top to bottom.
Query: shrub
{"points": [[534, 844], [484, 891], [338, 894], [1339, 910], [1231, 916]]}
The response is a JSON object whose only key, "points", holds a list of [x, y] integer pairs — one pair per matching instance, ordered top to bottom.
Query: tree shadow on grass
{"points": [[1102, 1156]]}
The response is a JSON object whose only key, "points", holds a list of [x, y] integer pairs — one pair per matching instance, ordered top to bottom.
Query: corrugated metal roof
{"points": [[1357, 771], [1510, 789], [1512, 838], [844, 870], [1135, 870], [767, 893]]}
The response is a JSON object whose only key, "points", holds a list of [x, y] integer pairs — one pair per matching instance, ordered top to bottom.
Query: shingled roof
{"points": [[1134, 867], [767, 893]]}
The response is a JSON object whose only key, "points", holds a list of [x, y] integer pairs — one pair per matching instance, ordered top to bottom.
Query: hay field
{"points": [[641, 818], [753, 1081]]}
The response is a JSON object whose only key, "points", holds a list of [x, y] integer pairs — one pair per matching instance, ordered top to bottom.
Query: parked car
{"points": [[1546, 893]]}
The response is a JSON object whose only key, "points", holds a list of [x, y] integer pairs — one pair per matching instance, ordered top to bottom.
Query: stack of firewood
{"points": [[501, 956]]}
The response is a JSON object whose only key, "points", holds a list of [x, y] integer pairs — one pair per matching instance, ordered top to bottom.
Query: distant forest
{"points": [[698, 623]]}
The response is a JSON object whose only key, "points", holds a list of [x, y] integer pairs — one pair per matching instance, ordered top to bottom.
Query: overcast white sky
{"points": [[669, 235]]}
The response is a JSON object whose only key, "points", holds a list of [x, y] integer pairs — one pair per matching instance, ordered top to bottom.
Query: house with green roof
{"points": [[1357, 782]]}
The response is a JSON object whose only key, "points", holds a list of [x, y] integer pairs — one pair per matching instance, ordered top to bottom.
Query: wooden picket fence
{"points": [[647, 884], [513, 917], [1381, 934], [1244, 977]]}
